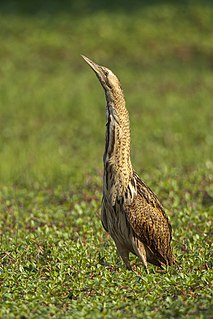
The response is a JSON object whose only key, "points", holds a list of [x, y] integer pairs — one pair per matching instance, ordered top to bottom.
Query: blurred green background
{"points": [[52, 108], [55, 259]]}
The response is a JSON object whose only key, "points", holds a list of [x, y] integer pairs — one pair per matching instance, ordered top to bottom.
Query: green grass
{"points": [[56, 260]]}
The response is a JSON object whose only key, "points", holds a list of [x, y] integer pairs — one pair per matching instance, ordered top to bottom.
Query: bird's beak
{"points": [[96, 68]]}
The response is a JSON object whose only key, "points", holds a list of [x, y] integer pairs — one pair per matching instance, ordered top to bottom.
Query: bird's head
{"points": [[107, 78]]}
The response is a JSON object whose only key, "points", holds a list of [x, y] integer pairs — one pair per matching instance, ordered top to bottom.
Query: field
{"points": [[56, 261]]}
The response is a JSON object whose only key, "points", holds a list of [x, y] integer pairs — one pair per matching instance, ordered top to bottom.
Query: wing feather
{"points": [[149, 221]]}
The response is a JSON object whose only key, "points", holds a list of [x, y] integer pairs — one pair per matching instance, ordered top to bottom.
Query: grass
{"points": [[56, 260]]}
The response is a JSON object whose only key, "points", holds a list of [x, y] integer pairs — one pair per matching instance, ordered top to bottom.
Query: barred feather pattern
{"points": [[117, 164], [131, 212], [138, 224]]}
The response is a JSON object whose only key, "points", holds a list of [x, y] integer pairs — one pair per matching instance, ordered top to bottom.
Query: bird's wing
{"points": [[149, 221]]}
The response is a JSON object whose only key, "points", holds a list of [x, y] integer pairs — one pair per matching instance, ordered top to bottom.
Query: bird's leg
{"points": [[141, 253], [124, 254], [144, 262]]}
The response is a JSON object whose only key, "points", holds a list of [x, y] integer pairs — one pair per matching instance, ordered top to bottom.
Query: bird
{"points": [[130, 211]]}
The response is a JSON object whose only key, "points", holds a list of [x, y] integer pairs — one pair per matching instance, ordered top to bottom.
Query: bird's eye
{"points": [[106, 72]]}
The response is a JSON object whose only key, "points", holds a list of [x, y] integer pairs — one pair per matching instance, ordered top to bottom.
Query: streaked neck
{"points": [[117, 162]]}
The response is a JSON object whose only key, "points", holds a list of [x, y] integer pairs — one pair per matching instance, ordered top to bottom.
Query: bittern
{"points": [[131, 213]]}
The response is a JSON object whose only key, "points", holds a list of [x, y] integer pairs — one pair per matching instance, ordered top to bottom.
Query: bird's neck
{"points": [[117, 163]]}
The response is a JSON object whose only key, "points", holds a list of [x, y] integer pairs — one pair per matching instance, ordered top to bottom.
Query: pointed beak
{"points": [[96, 68]]}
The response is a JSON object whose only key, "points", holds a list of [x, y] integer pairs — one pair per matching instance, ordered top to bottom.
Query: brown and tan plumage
{"points": [[131, 212]]}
